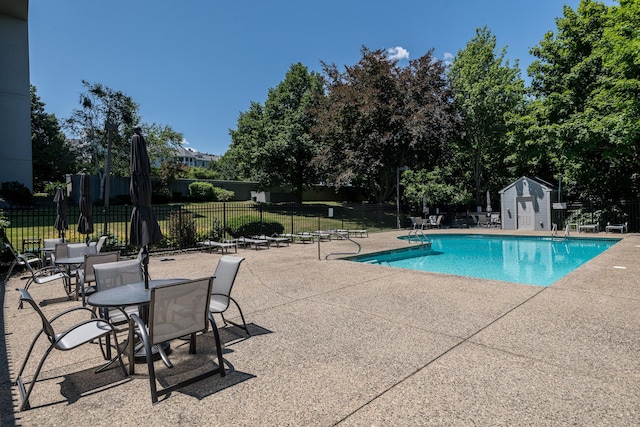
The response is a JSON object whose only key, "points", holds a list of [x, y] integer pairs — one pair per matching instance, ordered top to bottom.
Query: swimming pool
{"points": [[538, 261]]}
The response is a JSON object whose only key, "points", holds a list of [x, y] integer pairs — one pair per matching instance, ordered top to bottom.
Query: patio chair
{"points": [[100, 243], [49, 247], [26, 259], [113, 274], [86, 275], [41, 276], [223, 279], [175, 311], [73, 337]]}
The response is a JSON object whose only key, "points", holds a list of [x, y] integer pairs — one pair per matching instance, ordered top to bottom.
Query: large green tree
{"points": [[487, 89], [378, 116], [583, 121], [273, 144], [52, 156]]}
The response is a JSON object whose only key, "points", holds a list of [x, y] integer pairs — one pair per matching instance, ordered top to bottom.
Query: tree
{"points": [[486, 90], [101, 104], [378, 116], [584, 118], [273, 144], [52, 156]]}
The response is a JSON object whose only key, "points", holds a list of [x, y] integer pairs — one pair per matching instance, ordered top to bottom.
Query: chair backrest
{"points": [[100, 243], [50, 244], [8, 246], [80, 249], [61, 250], [90, 260], [112, 274], [223, 278], [179, 309], [46, 326]]}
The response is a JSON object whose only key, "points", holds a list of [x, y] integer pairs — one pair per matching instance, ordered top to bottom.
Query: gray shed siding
{"points": [[526, 205]]}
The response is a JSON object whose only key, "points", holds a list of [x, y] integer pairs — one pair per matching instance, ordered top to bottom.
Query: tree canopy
{"points": [[378, 116], [582, 122], [272, 143], [52, 156]]}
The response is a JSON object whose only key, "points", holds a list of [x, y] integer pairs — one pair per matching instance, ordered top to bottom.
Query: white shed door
{"points": [[526, 215]]}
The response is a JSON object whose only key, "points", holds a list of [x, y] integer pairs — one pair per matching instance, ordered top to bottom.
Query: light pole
{"points": [[398, 170]]}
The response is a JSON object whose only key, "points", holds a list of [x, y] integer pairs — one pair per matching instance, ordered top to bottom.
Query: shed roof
{"points": [[545, 185]]}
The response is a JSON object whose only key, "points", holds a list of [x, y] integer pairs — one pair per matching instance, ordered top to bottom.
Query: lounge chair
{"points": [[595, 228], [622, 228], [358, 233], [299, 237], [273, 239], [257, 243], [225, 245]]}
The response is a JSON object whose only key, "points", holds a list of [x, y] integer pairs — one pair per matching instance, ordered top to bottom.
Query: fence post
{"points": [[224, 219]]}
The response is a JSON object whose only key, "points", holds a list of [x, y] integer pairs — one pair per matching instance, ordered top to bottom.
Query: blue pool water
{"points": [[530, 260]]}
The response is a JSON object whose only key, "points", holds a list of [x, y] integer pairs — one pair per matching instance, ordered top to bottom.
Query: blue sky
{"points": [[195, 65]]}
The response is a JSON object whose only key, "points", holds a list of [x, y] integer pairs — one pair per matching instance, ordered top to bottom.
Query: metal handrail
{"points": [[422, 241], [345, 253]]}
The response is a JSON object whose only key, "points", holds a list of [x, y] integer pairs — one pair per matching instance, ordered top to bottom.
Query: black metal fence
{"points": [[602, 213], [183, 225]]}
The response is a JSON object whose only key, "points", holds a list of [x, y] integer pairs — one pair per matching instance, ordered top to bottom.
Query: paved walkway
{"points": [[340, 343]]}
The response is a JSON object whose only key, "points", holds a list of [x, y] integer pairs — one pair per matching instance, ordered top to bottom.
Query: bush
{"points": [[202, 191], [16, 193], [161, 195], [223, 195], [250, 226], [182, 229], [217, 232]]}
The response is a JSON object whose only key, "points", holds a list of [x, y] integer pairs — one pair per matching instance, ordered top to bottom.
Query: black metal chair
{"points": [[27, 258], [175, 311], [73, 337]]}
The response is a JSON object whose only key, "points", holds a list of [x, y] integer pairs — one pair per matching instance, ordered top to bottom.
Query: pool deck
{"points": [[342, 343]]}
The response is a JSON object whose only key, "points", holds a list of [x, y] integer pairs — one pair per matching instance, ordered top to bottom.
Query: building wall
{"points": [[15, 97], [526, 190]]}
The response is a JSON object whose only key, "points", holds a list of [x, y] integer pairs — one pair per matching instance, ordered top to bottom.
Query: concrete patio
{"points": [[340, 343]]}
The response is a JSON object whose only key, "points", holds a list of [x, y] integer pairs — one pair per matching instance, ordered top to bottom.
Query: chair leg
{"points": [[13, 264], [241, 316], [216, 337], [20, 383]]}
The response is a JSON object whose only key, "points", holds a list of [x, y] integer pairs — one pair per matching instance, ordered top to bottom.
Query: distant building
{"points": [[193, 158]]}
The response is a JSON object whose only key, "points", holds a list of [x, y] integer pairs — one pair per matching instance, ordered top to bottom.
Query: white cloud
{"points": [[398, 53], [448, 58]]}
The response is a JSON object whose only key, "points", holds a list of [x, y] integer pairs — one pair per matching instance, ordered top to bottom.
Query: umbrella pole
{"points": [[145, 265]]}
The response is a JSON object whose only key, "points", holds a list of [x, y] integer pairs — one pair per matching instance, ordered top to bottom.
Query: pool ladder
{"points": [[554, 231], [422, 238]]}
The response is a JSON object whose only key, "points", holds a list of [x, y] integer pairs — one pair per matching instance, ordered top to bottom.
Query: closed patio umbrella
{"points": [[488, 202], [85, 220], [60, 223], [144, 226]]}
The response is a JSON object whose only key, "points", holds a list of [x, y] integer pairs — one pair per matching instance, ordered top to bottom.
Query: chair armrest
{"points": [[59, 315]]}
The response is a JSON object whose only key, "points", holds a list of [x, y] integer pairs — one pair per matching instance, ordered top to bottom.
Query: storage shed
{"points": [[526, 205]]}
